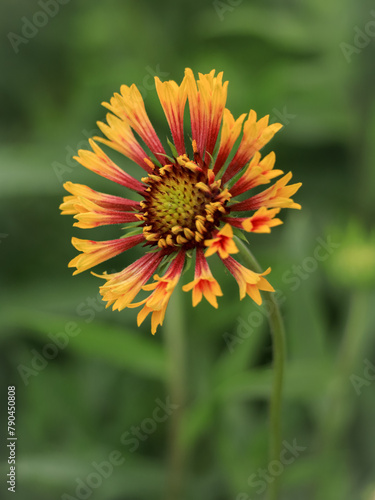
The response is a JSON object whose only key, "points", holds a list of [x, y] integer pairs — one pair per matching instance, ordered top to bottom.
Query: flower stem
{"points": [[174, 332], [279, 352]]}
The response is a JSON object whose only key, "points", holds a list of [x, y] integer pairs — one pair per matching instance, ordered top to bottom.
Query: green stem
{"points": [[174, 332], [279, 352]]}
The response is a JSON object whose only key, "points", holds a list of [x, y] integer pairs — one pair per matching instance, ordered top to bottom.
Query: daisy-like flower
{"points": [[186, 202]]}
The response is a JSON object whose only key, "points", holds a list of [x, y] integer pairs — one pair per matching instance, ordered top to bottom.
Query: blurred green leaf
{"points": [[119, 346], [304, 381], [197, 420]]}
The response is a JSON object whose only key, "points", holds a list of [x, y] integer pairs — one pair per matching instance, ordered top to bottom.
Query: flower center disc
{"points": [[176, 201], [180, 207]]}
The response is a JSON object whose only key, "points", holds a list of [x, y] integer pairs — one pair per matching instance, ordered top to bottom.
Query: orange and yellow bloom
{"points": [[186, 203]]}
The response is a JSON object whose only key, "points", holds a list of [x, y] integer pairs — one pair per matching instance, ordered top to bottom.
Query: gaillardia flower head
{"points": [[186, 202]]}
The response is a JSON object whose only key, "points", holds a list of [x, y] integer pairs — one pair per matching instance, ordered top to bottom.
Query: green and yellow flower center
{"points": [[183, 205]]}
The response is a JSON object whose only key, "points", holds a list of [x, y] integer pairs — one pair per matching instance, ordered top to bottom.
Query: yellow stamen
{"points": [[188, 233], [181, 240]]}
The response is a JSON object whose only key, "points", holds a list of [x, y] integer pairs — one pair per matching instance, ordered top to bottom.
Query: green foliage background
{"points": [[285, 59]]}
